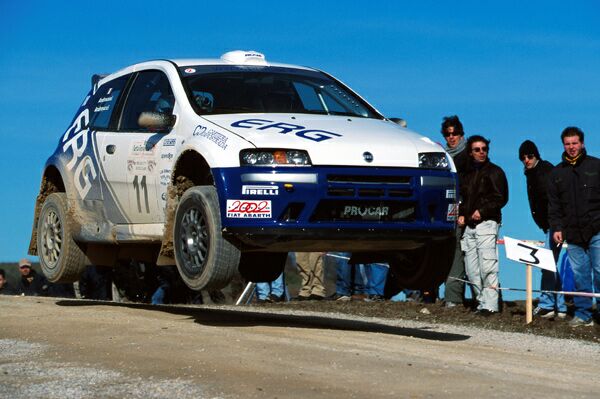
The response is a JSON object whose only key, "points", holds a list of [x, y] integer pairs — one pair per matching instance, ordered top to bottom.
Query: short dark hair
{"points": [[454, 122], [570, 132], [475, 139]]}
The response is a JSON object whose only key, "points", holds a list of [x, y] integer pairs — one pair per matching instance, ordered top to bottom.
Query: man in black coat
{"points": [[537, 173], [484, 192], [574, 214], [31, 283], [5, 287]]}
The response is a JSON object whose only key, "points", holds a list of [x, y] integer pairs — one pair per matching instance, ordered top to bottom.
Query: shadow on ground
{"points": [[249, 318]]}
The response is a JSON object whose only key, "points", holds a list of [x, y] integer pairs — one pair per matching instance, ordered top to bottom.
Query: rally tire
{"points": [[61, 259], [205, 260], [424, 268]]}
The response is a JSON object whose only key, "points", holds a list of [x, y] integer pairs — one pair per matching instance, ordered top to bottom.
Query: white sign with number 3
{"points": [[523, 252]]}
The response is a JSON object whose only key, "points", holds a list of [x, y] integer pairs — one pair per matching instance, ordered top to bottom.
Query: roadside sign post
{"points": [[532, 256]]}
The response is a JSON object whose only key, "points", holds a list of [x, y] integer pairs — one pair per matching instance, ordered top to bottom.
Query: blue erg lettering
{"points": [[249, 123], [284, 127], [317, 135]]}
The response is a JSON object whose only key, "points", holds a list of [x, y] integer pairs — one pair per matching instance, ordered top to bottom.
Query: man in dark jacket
{"points": [[452, 130], [537, 172], [484, 191], [574, 213], [31, 283], [5, 287]]}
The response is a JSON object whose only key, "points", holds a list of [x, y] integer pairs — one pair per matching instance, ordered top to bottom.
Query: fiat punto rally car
{"points": [[219, 165]]}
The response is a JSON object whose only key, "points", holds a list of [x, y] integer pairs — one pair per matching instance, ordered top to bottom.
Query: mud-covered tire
{"points": [[61, 259], [205, 260], [262, 267], [424, 268]]}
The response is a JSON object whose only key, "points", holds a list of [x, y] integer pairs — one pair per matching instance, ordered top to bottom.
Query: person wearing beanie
{"points": [[537, 172], [574, 215]]}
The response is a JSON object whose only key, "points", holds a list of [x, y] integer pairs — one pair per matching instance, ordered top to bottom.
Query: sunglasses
{"points": [[446, 134], [479, 149], [528, 156]]}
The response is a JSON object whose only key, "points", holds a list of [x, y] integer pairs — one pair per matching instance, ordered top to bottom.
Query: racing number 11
{"points": [[137, 184]]}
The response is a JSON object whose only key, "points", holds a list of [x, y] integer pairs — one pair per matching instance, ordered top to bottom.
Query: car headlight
{"points": [[274, 157], [433, 160]]}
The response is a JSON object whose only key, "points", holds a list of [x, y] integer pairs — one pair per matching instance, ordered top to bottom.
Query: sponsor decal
{"points": [[189, 70], [105, 99], [101, 109], [285, 128], [212, 135], [76, 139], [169, 142], [142, 149], [168, 155], [140, 166], [165, 177], [260, 190], [450, 194], [249, 209], [363, 211], [452, 213]]}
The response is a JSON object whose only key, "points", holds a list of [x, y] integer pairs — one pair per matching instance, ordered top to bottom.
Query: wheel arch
{"points": [[191, 169], [52, 182]]}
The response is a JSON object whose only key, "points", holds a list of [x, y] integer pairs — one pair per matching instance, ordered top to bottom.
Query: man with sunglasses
{"points": [[452, 130], [537, 172], [484, 191], [574, 214]]}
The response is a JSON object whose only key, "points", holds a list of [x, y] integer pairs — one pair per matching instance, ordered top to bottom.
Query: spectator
{"points": [[453, 132], [537, 172], [484, 192], [574, 213], [310, 265], [360, 281], [372, 281], [31, 283], [96, 283], [5, 286], [273, 291]]}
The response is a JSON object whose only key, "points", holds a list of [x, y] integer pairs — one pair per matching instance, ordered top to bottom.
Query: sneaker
{"points": [[314, 297], [339, 297], [359, 297], [276, 298], [301, 298], [375, 298], [263, 300], [449, 304], [485, 312], [544, 313], [561, 315], [577, 322]]}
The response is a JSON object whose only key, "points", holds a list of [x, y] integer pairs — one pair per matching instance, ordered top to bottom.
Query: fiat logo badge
{"points": [[368, 157]]}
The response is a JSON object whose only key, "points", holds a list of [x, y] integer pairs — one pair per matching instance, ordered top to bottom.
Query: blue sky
{"points": [[515, 71]]}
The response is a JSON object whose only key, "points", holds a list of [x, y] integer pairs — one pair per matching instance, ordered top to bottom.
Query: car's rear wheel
{"points": [[61, 259], [205, 260], [424, 268]]}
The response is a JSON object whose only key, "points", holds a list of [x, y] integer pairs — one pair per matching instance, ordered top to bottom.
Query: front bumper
{"points": [[335, 208]]}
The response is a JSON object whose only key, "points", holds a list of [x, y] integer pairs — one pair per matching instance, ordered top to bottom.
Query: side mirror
{"points": [[156, 121], [399, 121]]}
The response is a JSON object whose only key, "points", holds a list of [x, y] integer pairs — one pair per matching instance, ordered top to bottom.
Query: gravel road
{"points": [[53, 348]]}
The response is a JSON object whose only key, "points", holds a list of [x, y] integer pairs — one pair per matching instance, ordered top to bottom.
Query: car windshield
{"points": [[223, 89]]}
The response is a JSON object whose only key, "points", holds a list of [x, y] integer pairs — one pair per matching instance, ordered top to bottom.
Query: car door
{"points": [[131, 155]]}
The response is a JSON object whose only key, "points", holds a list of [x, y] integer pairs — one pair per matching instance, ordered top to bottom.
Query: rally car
{"points": [[220, 165]]}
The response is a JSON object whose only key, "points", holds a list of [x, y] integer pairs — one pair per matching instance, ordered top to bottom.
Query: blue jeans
{"points": [[586, 270], [375, 278], [343, 282], [551, 282], [275, 288]]}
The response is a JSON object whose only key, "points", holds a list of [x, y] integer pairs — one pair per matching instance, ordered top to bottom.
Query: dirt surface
{"points": [[72, 348]]}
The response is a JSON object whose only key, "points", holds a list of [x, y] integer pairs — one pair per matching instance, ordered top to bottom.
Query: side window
{"points": [[150, 92], [308, 96], [105, 101]]}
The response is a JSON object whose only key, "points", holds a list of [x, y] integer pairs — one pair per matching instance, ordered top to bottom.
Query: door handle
{"points": [[111, 148]]}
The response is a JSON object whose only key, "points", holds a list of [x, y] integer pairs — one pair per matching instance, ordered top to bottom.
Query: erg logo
{"points": [[284, 128], [84, 166]]}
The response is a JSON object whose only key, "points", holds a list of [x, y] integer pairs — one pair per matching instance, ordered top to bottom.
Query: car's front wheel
{"points": [[61, 259], [205, 260]]}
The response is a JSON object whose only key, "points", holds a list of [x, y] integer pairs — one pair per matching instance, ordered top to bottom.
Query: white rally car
{"points": [[219, 165]]}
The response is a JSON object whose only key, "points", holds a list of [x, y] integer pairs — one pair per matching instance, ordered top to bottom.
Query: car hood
{"points": [[331, 140]]}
